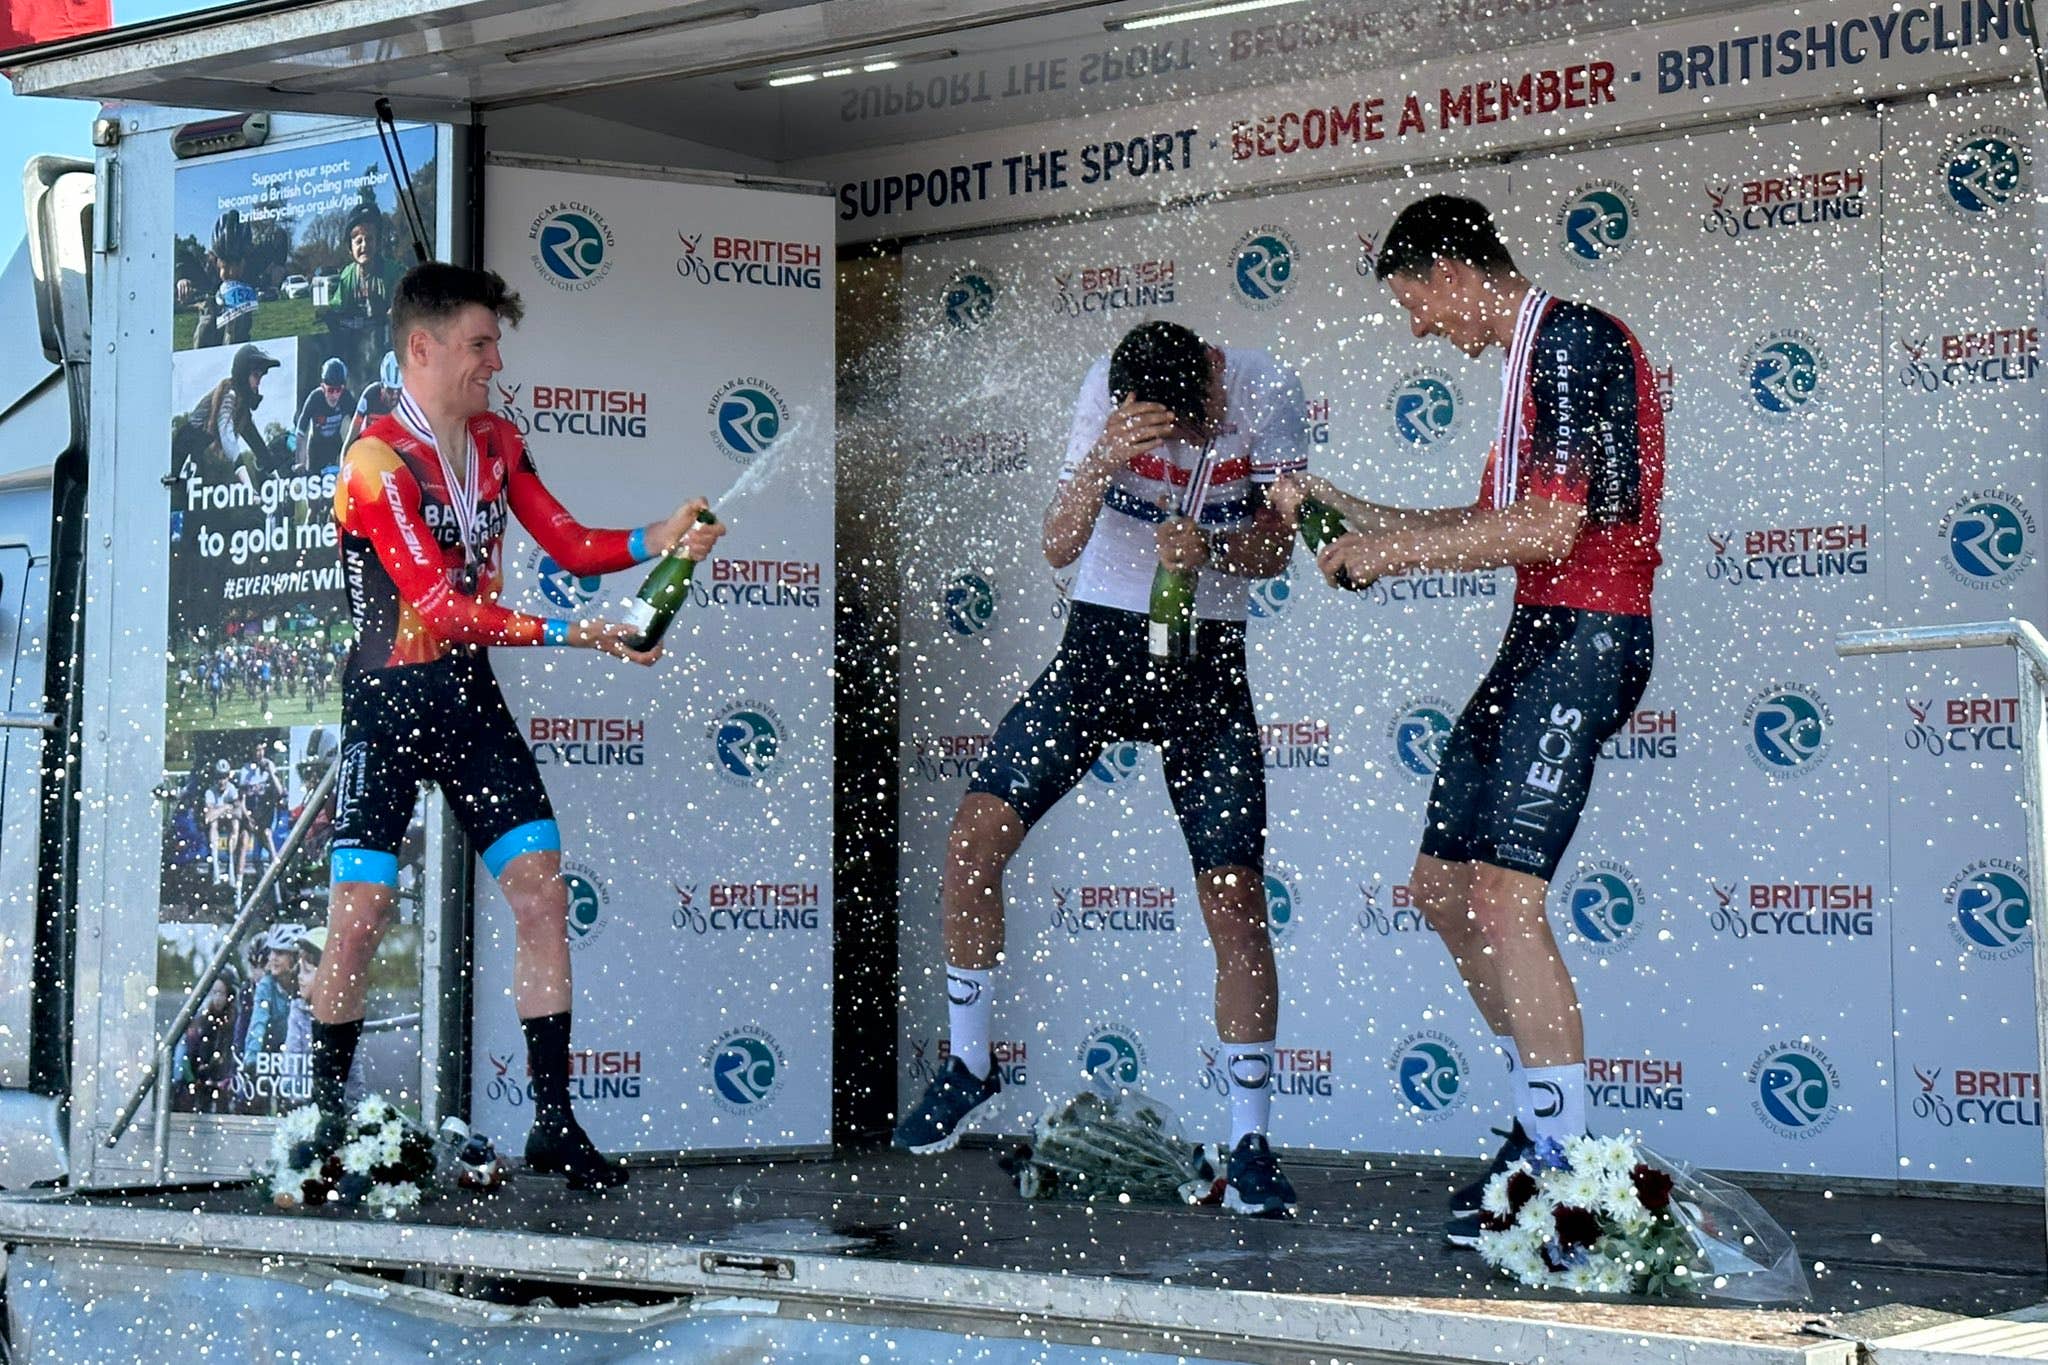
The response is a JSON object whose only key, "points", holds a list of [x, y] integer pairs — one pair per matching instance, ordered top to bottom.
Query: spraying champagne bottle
{"points": [[1320, 524], [664, 592], [1172, 627]]}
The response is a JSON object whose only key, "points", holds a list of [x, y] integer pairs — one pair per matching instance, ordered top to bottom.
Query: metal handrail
{"points": [[2023, 636], [2031, 648], [28, 720], [157, 1077]]}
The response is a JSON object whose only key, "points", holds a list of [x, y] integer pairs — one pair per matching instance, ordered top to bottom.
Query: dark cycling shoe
{"points": [[934, 1126], [568, 1151], [1256, 1184], [1465, 1201]]}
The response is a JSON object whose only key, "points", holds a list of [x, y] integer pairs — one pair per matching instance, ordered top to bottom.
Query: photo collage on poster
{"points": [[284, 266]]}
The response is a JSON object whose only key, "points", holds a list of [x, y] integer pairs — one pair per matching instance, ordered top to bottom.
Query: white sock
{"points": [[967, 1017], [1505, 1042], [1250, 1068], [1553, 1101]]}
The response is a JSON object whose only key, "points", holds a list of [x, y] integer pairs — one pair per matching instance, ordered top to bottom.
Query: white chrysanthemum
{"points": [[300, 1125], [1617, 1154], [358, 1156], [1578, 1187], [1495, 1197]]}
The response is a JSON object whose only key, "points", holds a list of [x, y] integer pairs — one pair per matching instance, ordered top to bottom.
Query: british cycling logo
{"points": [[1986, 171], [1772, 203], [1596, 223], [572, 245], [751, 261], [1368, 261], [1262, 266], [1086, 289], [969, 301], [1996, 355], [1784, 371], [1425, 405], [511, 408], [747, 416], [1990, 538], [1787, 556], [561, 588], [1268, 596], [970, 603], [1948, 728], [1786, 729], [1418, 731], [747, 738], [1119, 763], [589, 897], [1280, 900], [1604, 904], [722, 907], [1137, 908], [1991, 909], [1831, 912], [1399, 915], [1112, 1055], [928, 1057], [746, 1067], [1429, 1071], [1302, 1072], [1797, 1088], [1997, 1097]]}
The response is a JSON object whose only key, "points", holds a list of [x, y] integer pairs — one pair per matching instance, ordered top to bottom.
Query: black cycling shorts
{"points": [[1104, 687], [443, 722], [1518, 765]]}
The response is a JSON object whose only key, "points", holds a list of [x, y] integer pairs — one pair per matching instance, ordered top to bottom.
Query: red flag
{"points": [[27, 22]]}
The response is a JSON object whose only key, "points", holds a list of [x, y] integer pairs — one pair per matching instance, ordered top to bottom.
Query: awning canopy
{"points": [[697, 70]]}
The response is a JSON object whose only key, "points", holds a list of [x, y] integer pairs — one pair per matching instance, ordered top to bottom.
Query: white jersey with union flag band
{"points": [[1263, 434]]}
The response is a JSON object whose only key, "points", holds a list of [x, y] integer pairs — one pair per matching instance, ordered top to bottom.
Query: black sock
{"points": [[333, 1052], [547, 1061]]}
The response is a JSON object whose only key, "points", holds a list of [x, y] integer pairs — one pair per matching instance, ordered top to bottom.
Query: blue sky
{"points": [[28, 126]]}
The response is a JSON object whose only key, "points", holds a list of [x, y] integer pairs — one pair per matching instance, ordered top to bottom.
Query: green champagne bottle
{"points": [[1321, 524], [664, 592], [1172, 630]]}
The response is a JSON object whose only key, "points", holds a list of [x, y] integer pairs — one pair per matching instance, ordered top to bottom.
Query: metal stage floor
{"points": [[1360, 1274]]}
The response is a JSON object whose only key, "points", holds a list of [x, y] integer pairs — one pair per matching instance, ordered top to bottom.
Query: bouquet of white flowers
{"points": [[1118, 1145], [383, 1162], [1608, 1216]]}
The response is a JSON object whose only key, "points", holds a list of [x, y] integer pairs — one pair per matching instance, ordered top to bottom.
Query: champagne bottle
{"points": [[1320, 524], [664, 592], [1172, 629]]}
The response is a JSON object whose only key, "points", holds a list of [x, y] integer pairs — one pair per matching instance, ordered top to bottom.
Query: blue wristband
{"points": [[636, 545], [555, 632]]}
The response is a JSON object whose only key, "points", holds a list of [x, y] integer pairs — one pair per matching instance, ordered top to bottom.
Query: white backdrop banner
{"points": [[1643, 78], [678, 341], [1807, 956]]}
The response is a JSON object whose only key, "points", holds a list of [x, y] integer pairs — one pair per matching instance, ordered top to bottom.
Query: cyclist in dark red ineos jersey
{"points": [[1569, 499], [421, 507]]}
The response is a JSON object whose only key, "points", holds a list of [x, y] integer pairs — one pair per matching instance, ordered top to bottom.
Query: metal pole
{"points": [[27, 720], [2034, 764], [315, 800]]}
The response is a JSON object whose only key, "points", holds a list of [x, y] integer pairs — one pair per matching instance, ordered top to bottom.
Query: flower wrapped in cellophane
{"points": [[1113, 1144], [383, 1162], [1609, 1216]]}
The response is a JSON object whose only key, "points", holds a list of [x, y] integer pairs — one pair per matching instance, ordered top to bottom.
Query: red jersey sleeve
{"points": [[384, 509], [577, 548]]}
